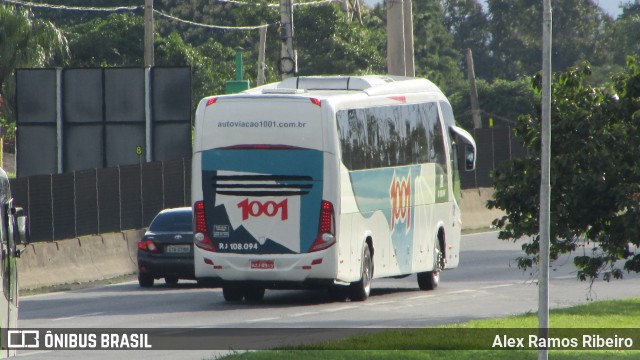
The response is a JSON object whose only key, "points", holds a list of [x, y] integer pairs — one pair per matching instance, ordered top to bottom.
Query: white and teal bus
{"points": [[326, 182]]}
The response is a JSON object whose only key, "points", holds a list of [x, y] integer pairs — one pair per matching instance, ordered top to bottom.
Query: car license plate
{"points": [[178, 249], [262, 264]]}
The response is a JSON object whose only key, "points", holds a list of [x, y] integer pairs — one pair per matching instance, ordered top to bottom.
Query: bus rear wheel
{"points": [[171, 280], [429, 280], [360, 290], [232, 292], [254, 293], [338, 293]]}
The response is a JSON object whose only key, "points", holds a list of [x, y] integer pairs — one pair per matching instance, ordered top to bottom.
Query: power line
{"points": [[72, 8], [167, 16], [217, 27]]}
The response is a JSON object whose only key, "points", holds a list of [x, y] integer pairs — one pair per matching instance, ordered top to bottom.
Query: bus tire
{"points": [[171, 280], [429, 280], [145, 281], [360, 290], [232, 292], [254, 293], [338, 293]]}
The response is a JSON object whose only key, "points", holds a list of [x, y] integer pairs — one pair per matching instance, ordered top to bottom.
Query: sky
{"points": [[610, 6]]}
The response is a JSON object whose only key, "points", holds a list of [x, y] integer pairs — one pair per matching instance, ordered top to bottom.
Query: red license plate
{"points": [[262, 264]]}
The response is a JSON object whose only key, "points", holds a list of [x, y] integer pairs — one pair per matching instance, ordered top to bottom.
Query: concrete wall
{"points": [[473, 206], [106, 256], [84, 259]]}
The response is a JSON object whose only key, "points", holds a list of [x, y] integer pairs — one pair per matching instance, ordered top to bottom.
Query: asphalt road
{"points": [[486, 284]]}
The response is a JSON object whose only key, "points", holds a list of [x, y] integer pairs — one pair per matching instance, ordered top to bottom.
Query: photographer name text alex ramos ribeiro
{"points": [[584, 342]]}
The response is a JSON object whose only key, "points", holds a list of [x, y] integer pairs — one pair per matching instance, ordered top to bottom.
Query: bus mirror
{"points": [[469, 149], [469, 158], [23, 229]]}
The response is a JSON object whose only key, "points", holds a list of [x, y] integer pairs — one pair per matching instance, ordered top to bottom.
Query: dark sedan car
{"points": [[166, 250]]}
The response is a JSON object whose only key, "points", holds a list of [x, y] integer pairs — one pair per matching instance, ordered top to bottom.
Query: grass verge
{"points": [[607, 318]]}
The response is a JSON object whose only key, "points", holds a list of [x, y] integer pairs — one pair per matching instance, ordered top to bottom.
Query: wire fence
{"points": [[495, 145], [95, 201]]}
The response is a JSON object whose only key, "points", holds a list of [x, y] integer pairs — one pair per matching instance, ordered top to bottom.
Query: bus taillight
{"points": [[326, 229], [200, 237]]}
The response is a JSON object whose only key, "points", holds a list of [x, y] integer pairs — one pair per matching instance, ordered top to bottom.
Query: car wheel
{"points": [[171, 280], [145, 281], [360, 290], [232, 292], [254, 293]]}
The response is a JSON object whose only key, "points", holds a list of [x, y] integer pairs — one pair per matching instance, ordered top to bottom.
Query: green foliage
{"points": [[466, 21], [580, 31], [626, 33], [117, 40], [505, 41], [24, 42], [329, 43], [435, 58], [212, 64], [501, 100], [595, 175]]}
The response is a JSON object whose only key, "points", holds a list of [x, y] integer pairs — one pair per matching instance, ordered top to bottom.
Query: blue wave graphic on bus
{"points": [[389, 190]]}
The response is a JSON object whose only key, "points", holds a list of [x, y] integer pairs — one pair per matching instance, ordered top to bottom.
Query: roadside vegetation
{"points": [[604, 315]]}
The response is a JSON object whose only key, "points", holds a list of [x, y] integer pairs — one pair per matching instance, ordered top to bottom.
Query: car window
{"points": [[179, 221]]}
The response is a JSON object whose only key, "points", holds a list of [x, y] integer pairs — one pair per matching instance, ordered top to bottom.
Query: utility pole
{"points": [[148, 33], [408, 39], [400, 52], [261, 56], [396, 64], [287, 65], [473, 91], [545, 180]]}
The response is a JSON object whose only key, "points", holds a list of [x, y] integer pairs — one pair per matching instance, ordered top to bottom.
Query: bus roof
{"points": [[372, 85]]}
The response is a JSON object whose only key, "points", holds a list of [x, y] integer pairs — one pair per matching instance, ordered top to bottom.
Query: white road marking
{"points": [[496, 286], [461, 292], [419, 297], [379, 303], [340, 308], [304, 314], [77, 316], [263, 319]]}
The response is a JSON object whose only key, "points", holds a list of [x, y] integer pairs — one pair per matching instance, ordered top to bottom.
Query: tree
{"points": [[466, 21], [580, 32], [626, 33], [117, 40], [24, 42], [329, 43], [435, 57], [212, 64], [501, 100], [595, 175]]}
